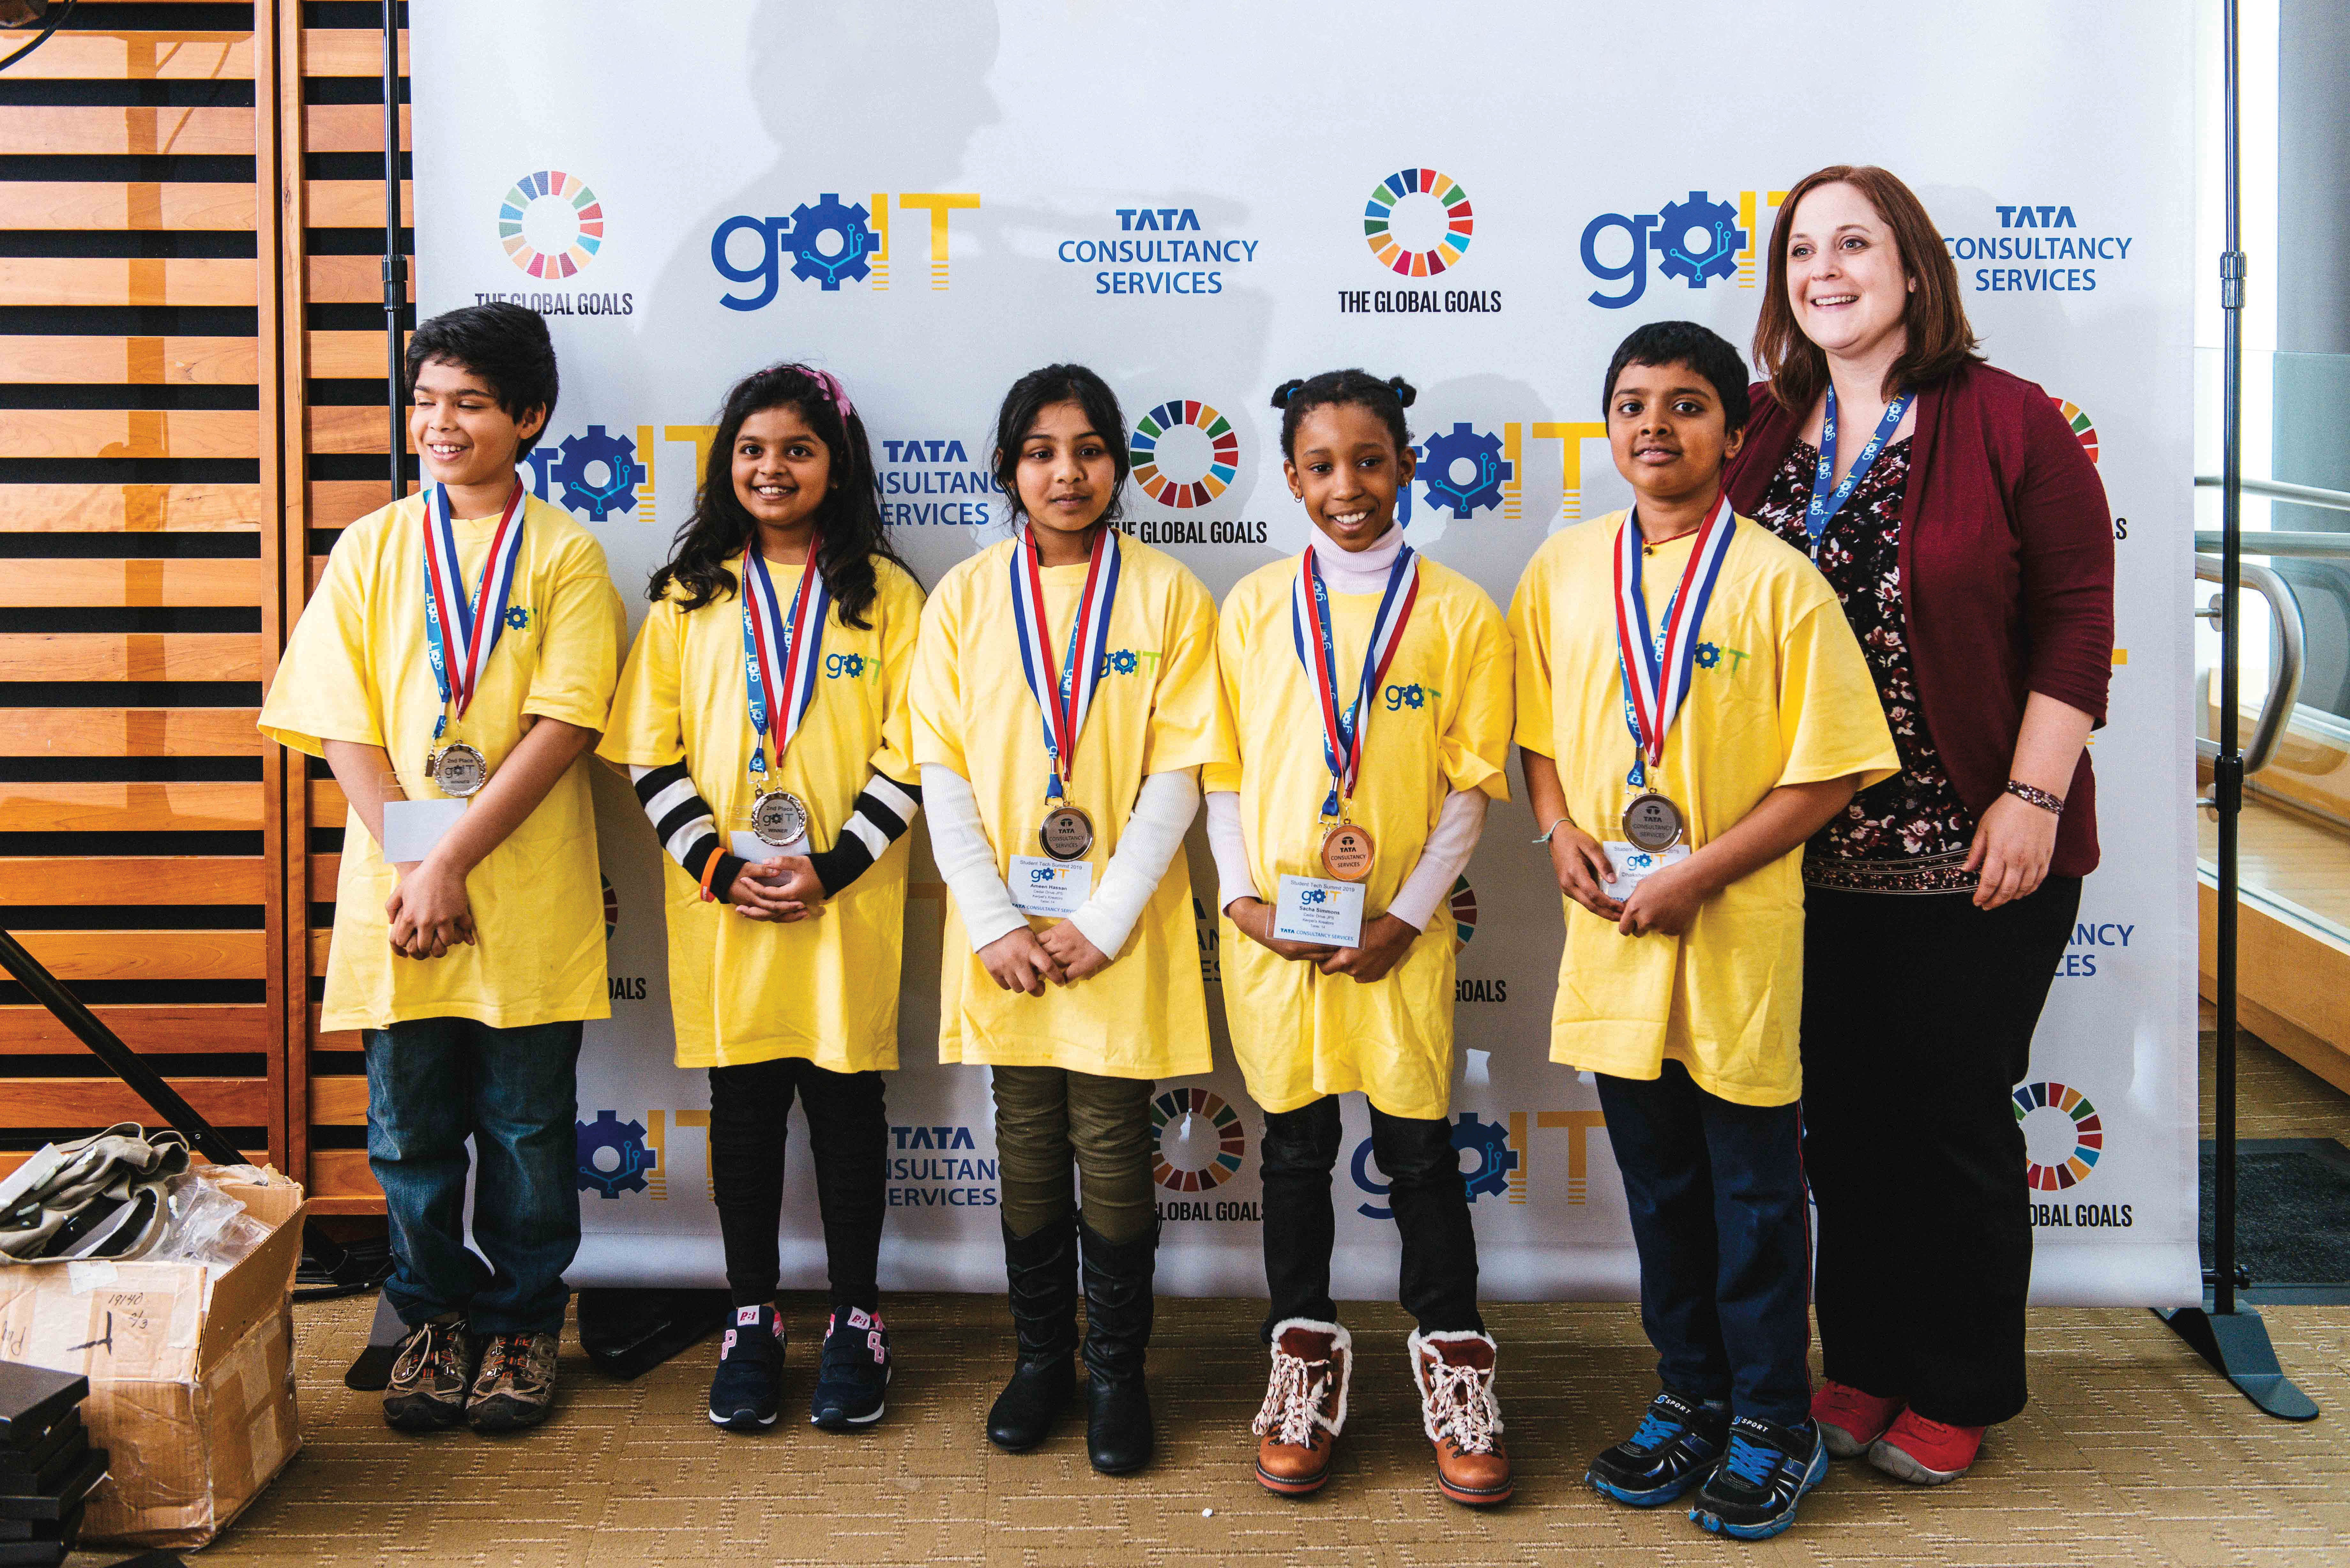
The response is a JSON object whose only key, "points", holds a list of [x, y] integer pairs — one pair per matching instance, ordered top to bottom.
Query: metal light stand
{"points": [[2229, 1335]]}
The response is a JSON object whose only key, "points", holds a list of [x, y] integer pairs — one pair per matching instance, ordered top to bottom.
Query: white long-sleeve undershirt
{"points": [[1163, 809], [1460, 823]]}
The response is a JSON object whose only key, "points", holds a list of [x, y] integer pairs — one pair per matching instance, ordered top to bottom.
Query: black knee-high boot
{"points": [[1042, 1271], [1118, 1331]]}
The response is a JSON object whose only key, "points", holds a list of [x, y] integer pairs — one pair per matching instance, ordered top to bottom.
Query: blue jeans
{"points": [[432, 1084], [1716, 1195]]}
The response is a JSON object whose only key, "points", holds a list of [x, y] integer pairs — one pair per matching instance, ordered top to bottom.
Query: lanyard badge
{"points": [[1827, 496], [478, 621], [780, 653], [1067, 832], [1347, 849]]}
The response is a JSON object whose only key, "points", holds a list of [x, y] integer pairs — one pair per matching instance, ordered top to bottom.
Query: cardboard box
{"points": [[191, 1379]]}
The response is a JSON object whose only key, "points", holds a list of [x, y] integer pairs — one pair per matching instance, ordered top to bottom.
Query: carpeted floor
{"points": [[2132, 1452]]}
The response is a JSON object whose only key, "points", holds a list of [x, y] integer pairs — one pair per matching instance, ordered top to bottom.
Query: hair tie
{"points": [[833, 389], [1283, 392], [1404, 394]]}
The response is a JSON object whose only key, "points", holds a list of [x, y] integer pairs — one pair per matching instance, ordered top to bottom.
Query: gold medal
{"points": [[457, 769], [778, 818], [1652, 823], [1066, 832], [1347, 852]]}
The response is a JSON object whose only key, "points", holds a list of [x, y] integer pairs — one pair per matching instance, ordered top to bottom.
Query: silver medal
{"points": [[458, 770], [778, 818], [1652, 821]]}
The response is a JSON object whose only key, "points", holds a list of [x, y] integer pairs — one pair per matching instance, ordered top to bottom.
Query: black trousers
{"points": [[1918, 1020], [849, 1130], [1715, 1192], [1438, 1280]]}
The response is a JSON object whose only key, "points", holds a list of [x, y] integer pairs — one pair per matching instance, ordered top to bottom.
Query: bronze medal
{"points": [[458, 770], [778, 818], [1652, 823], [1066, 832], [1347, 852]]}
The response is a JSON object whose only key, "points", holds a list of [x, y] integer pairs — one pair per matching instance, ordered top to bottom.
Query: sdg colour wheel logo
{"points": [[1380, 215], [551, 223], [2083, 430], [1149, 452], [2088, 1134], [1229, 1140]]}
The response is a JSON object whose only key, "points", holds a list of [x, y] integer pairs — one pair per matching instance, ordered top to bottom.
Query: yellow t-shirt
{"points": [[356, 670], [1780, 695], [1156, 711], [1441, 722], [824, 990]]}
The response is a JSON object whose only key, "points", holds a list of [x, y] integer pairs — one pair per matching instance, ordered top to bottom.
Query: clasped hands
{"points": [[1381, 948]]}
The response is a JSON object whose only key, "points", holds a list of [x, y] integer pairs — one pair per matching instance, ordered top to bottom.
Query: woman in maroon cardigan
{"points": [[1968, 539]]}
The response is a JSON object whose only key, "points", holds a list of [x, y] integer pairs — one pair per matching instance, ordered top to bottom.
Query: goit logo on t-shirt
{"points": [[1129, 662], [851, 667]]}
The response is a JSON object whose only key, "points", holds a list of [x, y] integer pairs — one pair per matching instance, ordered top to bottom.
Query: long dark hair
{"points": [[1034, 392], [850, 533]]}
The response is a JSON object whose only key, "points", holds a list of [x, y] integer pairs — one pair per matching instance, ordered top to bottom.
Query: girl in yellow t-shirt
{"points": [[1063, 695], [1370, 695], [762, 713]]}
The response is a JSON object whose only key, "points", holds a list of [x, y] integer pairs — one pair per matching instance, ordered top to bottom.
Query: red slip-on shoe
{"points": [[1849, 1419], [1925, 1451]]}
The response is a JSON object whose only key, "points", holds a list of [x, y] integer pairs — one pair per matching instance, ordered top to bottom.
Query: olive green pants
{"points": [[1049, 1118]]}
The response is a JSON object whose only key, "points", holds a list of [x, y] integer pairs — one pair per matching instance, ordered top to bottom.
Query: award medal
{"points": [[1827, 496], [478, 621], [780, 655], [1657, 668], [1067, 833], [1348, 850]]}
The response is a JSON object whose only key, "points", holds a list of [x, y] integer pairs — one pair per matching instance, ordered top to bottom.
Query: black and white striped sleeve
{"points": [[877, 818], [685, 826]]}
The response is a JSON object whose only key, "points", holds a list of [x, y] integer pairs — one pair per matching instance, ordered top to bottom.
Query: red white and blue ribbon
{"points": [[1826, 502], [479, 619], [780, 650], [1657, 668], [1064, 702], [1343, 727]]}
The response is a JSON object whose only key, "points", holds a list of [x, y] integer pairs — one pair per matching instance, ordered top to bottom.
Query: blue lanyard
{"points": [[1824, 504]]}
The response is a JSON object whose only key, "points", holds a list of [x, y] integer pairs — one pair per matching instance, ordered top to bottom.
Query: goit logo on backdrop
{"points": [[1417, 223], [551, 225], [1699, 239], [827, 241], [1184, 456], [1497, 1157]]}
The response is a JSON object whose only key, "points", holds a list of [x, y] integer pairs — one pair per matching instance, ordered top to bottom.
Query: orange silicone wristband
{"points": [[708, 866]]}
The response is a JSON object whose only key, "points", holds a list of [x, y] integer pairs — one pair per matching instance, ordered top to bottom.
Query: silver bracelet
{"points": [[2053, 805], [1554, 827]]}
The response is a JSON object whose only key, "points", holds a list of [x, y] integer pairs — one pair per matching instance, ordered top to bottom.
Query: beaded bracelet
{"points": [[2051, 803]]}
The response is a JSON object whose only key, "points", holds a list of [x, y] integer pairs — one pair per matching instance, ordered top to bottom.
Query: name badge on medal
{"points": [[1053, 889], [1319, 910]]}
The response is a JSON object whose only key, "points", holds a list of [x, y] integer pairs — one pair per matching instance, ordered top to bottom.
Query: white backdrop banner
{"points": [[932, 196]]}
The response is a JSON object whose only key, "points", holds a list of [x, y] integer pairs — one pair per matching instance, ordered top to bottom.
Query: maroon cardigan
{"points": [[2007, 574]]}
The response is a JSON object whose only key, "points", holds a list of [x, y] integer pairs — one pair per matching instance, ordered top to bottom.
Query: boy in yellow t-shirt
{"points": [[1716, 662], [453, 668], [1369, 690]]}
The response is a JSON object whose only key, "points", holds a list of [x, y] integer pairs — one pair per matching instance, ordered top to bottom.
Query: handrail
{"points": [[2307, 495], [2280, 545], [2284, 683]]}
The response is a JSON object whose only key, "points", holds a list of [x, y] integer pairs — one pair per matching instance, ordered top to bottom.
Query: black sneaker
{"points": [[854, 1372], [431, 1375], [748, 1388], [1676, 1444], [1753, 1493]]}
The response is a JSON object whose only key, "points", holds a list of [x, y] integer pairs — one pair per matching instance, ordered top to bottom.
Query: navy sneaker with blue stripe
{"points": [[854, 1374], [1676, 1444], [1753, 1493]]}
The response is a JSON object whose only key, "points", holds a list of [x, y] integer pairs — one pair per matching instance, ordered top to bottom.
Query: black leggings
{"points": [[1918, 1018], [849, 1129]]}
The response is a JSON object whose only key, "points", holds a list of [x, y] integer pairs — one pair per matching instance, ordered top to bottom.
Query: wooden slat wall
{"points": [[335, 459], [144, 840]]}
